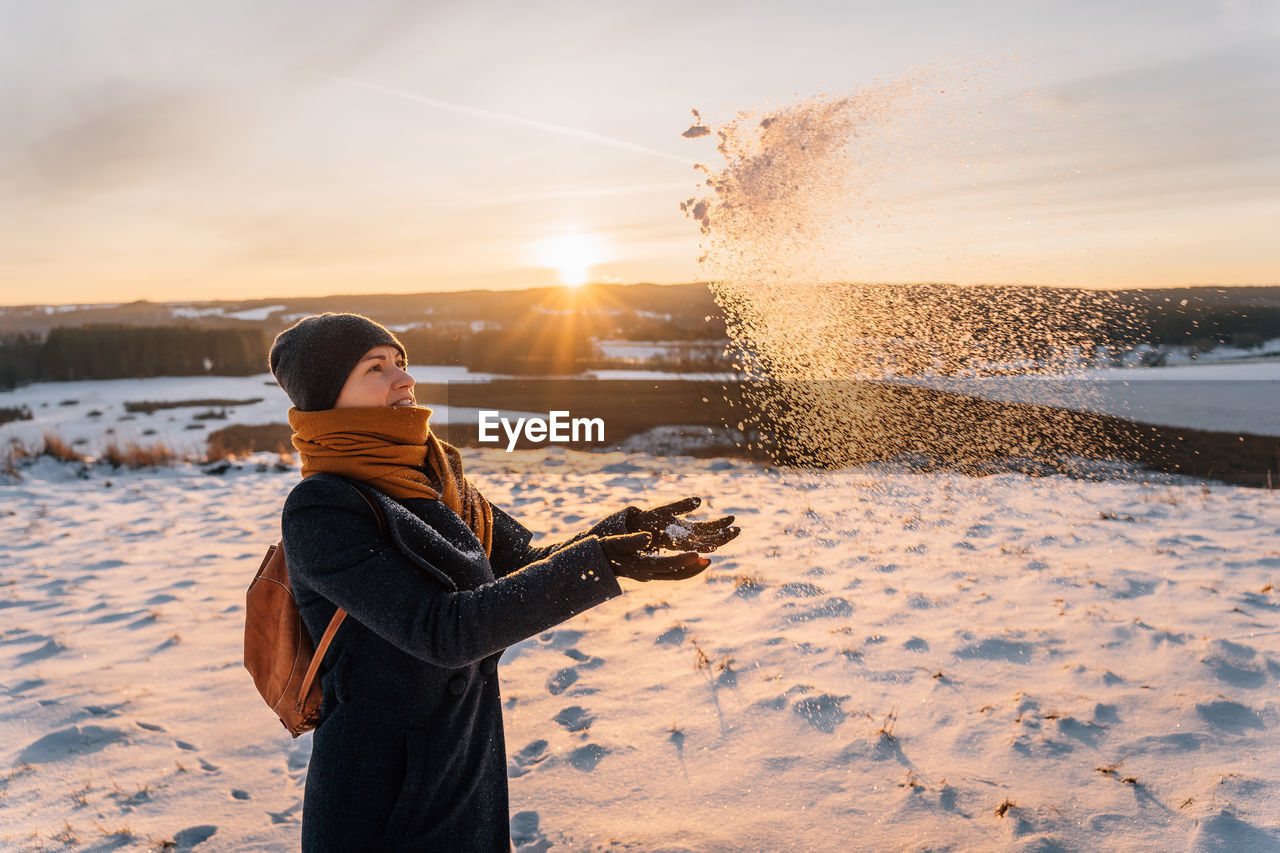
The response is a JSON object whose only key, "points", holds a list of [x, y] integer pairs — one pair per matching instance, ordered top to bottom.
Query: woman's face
{"points": [[379, 379]]}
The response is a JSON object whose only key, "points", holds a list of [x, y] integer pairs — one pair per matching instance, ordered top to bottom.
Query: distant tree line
{"points": [[1041, 322], [1203, 327], [557, 336], [555, 345], [126, 352], [19, 360]]}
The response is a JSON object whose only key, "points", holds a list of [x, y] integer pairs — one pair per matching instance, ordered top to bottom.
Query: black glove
{"points": [[679, 534], [623, 553]]}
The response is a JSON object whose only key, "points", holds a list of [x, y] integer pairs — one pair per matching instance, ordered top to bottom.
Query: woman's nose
{"points": [[406, 379]]}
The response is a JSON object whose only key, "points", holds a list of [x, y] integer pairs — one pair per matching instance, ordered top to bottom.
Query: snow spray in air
{"points": [[809, 201]]}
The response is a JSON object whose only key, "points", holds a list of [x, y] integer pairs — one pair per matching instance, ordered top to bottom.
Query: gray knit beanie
{"points": [[313, 358]]}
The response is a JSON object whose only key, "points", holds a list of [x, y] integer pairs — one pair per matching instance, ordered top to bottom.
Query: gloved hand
{"points": [[679, 534], [623, 553]]}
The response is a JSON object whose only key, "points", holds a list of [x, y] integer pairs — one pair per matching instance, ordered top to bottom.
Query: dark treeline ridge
{"points": [[632, 311], [640, 312], [1200, 316], [1040, 319], [1205, 326], [552, 330], [538, 331], [551, 346], [118, 352]]}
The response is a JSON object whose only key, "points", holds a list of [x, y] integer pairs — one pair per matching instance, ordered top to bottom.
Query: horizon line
{"points": [[358, 294]]}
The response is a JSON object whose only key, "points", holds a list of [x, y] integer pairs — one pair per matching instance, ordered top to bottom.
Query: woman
{"points": [[409, 752]]}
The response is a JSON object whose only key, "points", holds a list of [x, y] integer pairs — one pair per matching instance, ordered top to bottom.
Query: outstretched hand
{"points": [[680, 534], [626, 560]]}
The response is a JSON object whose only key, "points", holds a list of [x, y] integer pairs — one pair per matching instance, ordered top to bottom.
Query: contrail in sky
{"points": [[547, 127]]}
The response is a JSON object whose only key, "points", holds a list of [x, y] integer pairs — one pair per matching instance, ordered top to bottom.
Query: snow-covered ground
{"points": [[257, 314], [639, 351], [1173, 356], [1241, 371], [636, 373], [1242, 396], [68, 408], [882, 661]]}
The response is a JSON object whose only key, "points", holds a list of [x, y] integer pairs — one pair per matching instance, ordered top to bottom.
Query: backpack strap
{"points": [[340, 614]]}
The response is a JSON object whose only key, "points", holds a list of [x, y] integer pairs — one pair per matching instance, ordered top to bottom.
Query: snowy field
{"points": [[1222, 397], [1242, 397], [88, 414], [882, 661]]}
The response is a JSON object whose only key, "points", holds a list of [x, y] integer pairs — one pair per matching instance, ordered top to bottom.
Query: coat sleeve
{"points": [[333, 545], [511, 551]]}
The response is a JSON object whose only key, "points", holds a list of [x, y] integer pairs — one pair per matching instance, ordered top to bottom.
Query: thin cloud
{"points": [[548, 127], [611, 191]]}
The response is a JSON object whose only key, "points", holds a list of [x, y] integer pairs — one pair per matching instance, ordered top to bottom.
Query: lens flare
{"points": [[572, 254]]}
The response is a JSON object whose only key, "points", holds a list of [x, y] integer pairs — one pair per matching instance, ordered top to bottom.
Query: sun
{"points": [[571, 254]]}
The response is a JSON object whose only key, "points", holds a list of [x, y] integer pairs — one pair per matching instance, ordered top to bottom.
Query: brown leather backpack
{"points": [[278, 651]]}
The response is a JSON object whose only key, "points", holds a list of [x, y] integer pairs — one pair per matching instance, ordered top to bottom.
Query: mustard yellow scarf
{"points": [[392, 449]]}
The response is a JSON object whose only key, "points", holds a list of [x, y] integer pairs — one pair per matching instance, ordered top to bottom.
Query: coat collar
{"points": [[433, 537]]}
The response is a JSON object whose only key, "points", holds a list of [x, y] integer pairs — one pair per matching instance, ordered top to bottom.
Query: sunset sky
{"points": [[171, 151]]}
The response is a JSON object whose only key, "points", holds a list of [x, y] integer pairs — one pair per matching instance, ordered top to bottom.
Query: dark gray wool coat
{"points": [[409, 752]]}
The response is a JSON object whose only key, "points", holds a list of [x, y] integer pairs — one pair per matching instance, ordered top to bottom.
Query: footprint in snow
{"points": [[799, 589], [833, 607], [116, 617], [673, 636], [560, 640], [168, 644], [916, 644], [997, 649], [48, 650], [585, 661], [1236, 664], [561, 681], [28, 684], [773, 703], [822, 712], [1104, 713], [1231, 716], [575, 718], [69, 742], [299, 757], [585, 758], [522, 762], [289, 815], [1226, 831], [526, 837], [187, 839]]}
